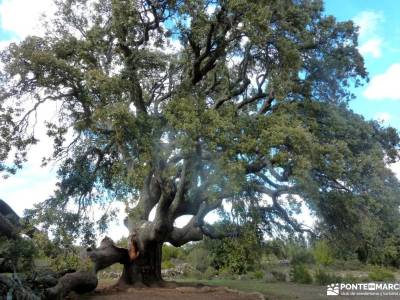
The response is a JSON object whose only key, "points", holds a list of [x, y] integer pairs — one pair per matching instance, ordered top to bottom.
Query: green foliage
{"points": [[139, 116], [122, 242], [277, 247], [298, 251], [169, 252], [322, 253], [387, 253], [17, 255], [239, 255], [301, 256], [199, 258], [66, 261], [167, 264], [210, 273], [226, 273], [194, 274], [300, 274], [381, 274], [258, 275], [279, 276], [324, 278], [353, 279]]}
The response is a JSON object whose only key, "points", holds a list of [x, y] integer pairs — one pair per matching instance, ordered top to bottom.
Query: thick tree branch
{"points": [[180, 194], [11, 225], [107, 254], [79, 282]]}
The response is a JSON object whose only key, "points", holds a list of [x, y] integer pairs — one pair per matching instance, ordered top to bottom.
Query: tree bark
{"points": [[11, 224], [142, 266], [145, 269], [79, 282]]}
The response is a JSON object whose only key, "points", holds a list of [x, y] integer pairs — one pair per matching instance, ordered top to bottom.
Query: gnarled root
{"points": [[79, 282], [83, 282]]}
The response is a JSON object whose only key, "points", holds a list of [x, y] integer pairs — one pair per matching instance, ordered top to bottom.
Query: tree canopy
{"points": [[251, 108]]}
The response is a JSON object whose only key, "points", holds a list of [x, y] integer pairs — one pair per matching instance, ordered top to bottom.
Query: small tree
{"points": [[322, 253]]}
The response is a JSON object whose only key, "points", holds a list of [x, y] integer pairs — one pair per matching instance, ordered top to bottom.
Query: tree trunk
{"points": [[145, 269], [79, 282]]}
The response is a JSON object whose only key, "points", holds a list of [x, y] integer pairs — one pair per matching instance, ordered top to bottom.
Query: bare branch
{"points": [[267, 103]]}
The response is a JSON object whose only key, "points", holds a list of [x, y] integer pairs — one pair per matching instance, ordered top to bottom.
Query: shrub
{"points": [[276, 248], [169, 252], [322, 253], [18, 254], [240, 255], [301, 256], [199, 258], [68, 260], [167, 264], [352, 264], [210, 273], [226, 273], [193, 274], [300, 274], [381, 274], [257, 275], [279, 276], [324, 278], [348, 278]]}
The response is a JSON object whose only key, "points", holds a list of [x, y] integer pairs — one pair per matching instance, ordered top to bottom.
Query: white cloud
{"points": [[211, 9], [22, 17], [368, 22], [370, 41], [4, 44], [174, 46], [372, 47], [385, 85], [383, 117], [396, 169], [27, 188]]}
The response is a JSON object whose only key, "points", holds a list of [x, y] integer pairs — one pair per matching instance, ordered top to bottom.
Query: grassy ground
{"points": [[284, 290], [272, 291]]}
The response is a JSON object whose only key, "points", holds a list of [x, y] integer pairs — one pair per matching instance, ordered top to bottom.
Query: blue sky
{"points": [[380, 29], [379, 43]]}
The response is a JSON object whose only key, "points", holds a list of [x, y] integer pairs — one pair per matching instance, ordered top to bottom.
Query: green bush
{"points": [[276, 248], [169, 252], [322, 253], [18, 254], [240, 255], [301, 256], [199, 258], [67, 260], [167, 264], [352, 264], [210, 273], [226, 273], [193, 274], [300, 274], [381, 274], [256, 275], [279, 276], [325, 278], [348, 278]]}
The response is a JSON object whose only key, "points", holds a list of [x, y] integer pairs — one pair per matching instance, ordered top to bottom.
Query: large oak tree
{"points": [[251, 108]]}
